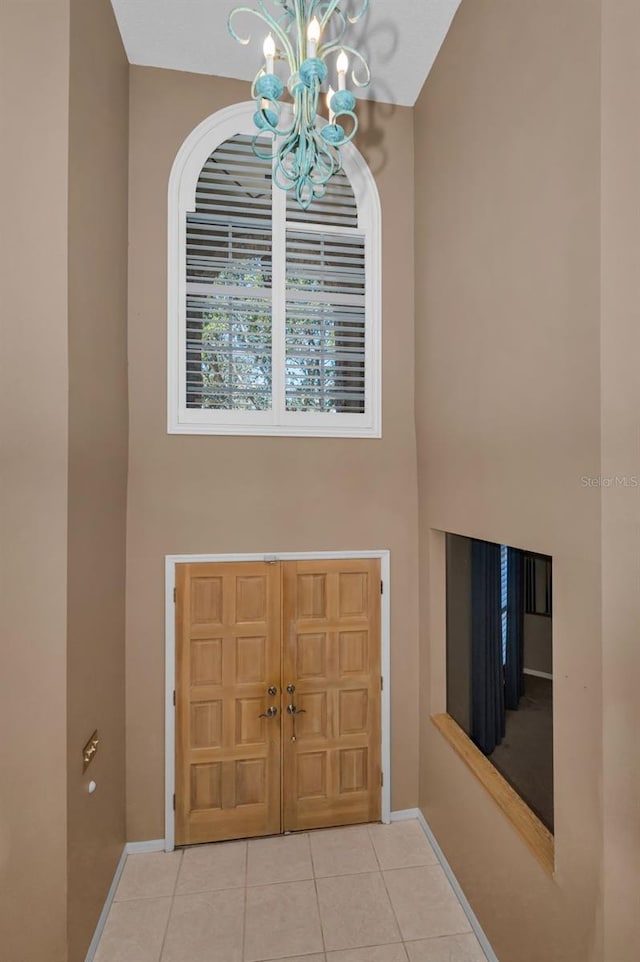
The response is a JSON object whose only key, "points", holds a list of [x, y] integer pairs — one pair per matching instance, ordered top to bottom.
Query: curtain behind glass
{"points": [[514, 676], [487, 709]]}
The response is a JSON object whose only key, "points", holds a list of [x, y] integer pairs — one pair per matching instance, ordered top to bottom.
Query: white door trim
{"points": [[170, 660]]}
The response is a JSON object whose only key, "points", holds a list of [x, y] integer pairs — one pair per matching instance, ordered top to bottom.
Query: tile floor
{"points": [[371, 893]]}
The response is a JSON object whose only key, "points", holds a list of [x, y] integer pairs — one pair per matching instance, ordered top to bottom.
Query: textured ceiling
{"points": [[401, 39]]}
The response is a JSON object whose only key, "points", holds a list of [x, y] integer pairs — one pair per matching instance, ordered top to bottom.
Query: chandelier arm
{"points": [[331, 6], [360, 14], [266, 18], [286, 19], [300, 21], [281, 31], [335, 42], [358, 56], [312, 105], [356, 123], [270, 127], [257, 145], [333, 165]]}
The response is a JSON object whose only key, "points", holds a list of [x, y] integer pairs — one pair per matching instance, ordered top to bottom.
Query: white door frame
{"points": [[170, 660]]}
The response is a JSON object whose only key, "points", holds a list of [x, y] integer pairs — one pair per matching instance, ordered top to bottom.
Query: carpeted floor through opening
{"points": [[525, 757]]}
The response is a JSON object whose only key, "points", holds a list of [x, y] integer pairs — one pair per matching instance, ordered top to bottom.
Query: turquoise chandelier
{"points": [[307, 36]]}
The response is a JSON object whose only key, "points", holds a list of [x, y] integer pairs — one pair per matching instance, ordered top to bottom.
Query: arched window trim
{"points": [[191, 158]]}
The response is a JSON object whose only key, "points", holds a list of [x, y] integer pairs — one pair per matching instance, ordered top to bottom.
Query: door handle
{"points": [[272, 690], [293, 710], [271, 712]]}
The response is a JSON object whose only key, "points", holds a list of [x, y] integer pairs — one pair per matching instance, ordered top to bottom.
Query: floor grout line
{"points": [[384, 882], [315, 888], [142, 898], [170, 913]]}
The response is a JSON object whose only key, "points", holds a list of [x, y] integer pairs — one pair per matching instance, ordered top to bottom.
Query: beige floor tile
{"points": [[401, 845], [343, 851], [282, 859], [209, 868], [149, 876], [424, 903], [355, 911], [282, 921], [206, 928], [134, 931], [451, 948], [377, 953]]}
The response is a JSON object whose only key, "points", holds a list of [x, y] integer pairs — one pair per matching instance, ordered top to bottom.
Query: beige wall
{"points": [[64, 90], [34, 113], [507, 264], [98, 424], [621, 458], [221, 494], [228, 494], [538, 643]]}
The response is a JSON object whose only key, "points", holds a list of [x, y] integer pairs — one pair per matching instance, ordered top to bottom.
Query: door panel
{"points": [[228, 620], [331, 654]]}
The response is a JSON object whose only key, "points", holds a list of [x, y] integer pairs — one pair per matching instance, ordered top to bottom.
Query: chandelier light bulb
{"points": [[313, 37], [269, 50], [343, 66], [330, 94]]}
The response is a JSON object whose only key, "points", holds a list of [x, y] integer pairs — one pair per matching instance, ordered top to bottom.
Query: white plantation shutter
{"points": [[228, 290], [326, 325], [277, 326]]}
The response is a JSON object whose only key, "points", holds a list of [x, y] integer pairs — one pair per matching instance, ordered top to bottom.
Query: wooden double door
{"points": [[277, 697]]}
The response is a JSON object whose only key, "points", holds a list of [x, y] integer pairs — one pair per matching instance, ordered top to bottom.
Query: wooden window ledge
{"points": [[534, 834]]}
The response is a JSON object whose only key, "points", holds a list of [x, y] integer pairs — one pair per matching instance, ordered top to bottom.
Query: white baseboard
{"points": [[537, 674], [408, 813], [404, 814], [131, 848], [139, 848], [105, 909]]}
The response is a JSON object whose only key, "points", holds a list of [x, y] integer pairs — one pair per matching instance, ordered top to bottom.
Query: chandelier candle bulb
{"points": [[313, 38], [269, 50], [343, 66], [330, 94]]}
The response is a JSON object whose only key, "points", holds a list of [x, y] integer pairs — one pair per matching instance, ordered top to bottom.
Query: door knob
{"points": [[291, 689], [272, 690], [271, 712]]}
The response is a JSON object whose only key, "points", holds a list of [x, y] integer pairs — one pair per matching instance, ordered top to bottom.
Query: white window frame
{"points": [[185, 173]]}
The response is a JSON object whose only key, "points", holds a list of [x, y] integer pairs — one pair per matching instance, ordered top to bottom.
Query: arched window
{"points": [[274, 312]]}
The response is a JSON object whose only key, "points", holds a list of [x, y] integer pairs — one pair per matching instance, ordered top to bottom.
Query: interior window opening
{"points": [[500, 661]]}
